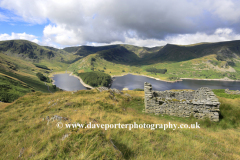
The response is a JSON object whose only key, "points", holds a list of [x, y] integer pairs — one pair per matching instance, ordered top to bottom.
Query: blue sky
{"points": [[102, 22], [19, 27]]}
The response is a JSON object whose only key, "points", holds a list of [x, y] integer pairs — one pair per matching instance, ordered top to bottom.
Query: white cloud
{"points": [[226, 9], [138, 22], [220, 34], [58, 35], [61, 35], [19, 36]]}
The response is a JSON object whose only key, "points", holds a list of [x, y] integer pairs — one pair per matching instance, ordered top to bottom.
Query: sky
{"points": [[149, 23]]}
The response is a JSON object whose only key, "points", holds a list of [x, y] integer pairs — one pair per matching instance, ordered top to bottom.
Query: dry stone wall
{"points": [[201, 103]]}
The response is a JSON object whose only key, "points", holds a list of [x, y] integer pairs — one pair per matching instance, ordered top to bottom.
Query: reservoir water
{"points": [[132, 81], [67, 82], [70, 83]]}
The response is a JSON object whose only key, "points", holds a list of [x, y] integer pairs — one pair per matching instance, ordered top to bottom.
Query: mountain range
{"points": [[20, 59]]}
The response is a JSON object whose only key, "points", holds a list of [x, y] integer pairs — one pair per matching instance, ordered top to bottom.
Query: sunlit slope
{"points": [[226, 50], [32, 52], [203, 60], [207, 67], [23, 71], [26, 132]]}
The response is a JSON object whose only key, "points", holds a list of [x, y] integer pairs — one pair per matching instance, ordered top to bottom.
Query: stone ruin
{"points": [[201, 103]]}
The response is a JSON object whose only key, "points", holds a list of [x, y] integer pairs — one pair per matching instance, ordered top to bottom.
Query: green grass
{"points": [[34, 82], [11, 89], [221, 93], [42, 141]]}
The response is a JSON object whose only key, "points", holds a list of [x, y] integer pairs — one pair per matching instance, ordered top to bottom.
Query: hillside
{"points": [[26, 50], [86, 50], [227, 50], [19, 59], [204, 60], [19, 76], [11, 88], [37, 137]]}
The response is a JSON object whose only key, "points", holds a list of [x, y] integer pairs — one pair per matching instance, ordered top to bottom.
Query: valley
{"points": [[22, 60], [30, 102]]}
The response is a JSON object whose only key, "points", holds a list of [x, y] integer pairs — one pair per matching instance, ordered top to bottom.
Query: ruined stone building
{"points": [[201, 103]]}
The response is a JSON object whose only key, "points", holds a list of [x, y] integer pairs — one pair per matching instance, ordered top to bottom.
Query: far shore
{"points": [[113, 76], [145, 76], [223, 79]]}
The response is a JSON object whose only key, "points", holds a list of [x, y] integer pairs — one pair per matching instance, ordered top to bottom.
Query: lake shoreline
{"points": [[70, 74], [114, 76], [146, 76], [223, 79], [81, 81]]}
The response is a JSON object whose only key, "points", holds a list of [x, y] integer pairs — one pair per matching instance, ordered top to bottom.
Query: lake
{"points": [[132, 81], [67, 82], [70, 83]]}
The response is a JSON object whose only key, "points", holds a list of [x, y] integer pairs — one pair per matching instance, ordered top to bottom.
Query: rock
{"points": [[100, 89], [113, 90], [127, 95], [56, 117], [65, 136], [21, 152]]}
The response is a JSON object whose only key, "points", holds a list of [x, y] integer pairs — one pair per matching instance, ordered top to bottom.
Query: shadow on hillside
{"points": [[126, 151]]}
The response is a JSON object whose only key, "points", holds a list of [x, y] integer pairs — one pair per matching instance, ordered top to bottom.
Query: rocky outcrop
{"points": [[113, 90], [232, 92], [201, 103]]}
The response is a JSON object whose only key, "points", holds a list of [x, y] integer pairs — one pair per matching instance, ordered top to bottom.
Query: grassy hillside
{"points": [[26, 50], [86, 50], [32, 52], [141, 52], [178, 53], [21, 60], [204, 60], [203, 68], [23, 71], [11, 88], [25, 131]]}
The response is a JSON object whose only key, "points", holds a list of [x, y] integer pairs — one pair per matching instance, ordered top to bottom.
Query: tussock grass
{"points": [[22, 125]]}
